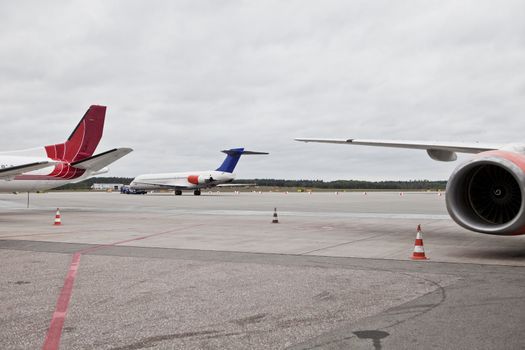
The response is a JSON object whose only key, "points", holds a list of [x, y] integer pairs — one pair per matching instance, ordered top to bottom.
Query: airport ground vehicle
{"points": [[127, 190]]}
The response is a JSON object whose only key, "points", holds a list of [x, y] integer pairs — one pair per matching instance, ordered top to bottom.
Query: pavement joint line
{"points": [[38, 234], [340, 244], [336, 258], [54, 333]]}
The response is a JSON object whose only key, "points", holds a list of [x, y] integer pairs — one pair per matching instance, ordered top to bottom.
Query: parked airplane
{"points": [[52, 166], [193, 180], [484, 194]]}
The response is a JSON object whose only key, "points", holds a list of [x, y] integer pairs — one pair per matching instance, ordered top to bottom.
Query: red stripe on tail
{"points": [[83, 140], [81, 144]]}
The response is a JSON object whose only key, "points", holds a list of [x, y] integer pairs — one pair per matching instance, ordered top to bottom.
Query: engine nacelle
{"points": [[200, 180], [486, 194]]}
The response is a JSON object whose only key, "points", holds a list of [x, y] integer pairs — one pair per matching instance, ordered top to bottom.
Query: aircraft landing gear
{"points": [[178, 192], [197, 192]]}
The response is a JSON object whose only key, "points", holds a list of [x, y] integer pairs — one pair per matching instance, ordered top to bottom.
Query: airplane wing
{"points": [[460, 147], [443, 151], [101, 160], [10, 172]]}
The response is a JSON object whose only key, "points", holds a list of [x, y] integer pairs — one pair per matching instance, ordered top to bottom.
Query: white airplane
{"points": [[47, 167], [193, 180], [484, 194]]}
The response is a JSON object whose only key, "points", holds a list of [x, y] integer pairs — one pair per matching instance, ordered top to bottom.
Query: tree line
{"points": [[306, 184], [351, 184]]}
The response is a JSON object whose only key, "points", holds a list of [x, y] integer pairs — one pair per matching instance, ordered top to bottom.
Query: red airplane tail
{"points": [[83, 140]]}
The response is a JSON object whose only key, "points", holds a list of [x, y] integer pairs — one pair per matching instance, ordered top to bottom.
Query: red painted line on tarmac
{"points": [[59, 316], [54, 332]]}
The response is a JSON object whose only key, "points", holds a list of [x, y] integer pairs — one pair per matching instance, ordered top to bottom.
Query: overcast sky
{"points": [[185, 79]]}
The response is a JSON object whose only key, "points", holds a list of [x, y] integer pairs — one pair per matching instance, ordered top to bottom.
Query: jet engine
{"points": [[200, 179], [486, 194]]}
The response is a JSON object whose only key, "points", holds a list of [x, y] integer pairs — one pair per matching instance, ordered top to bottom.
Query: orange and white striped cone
{"points": [[275, 219], [58, 220], [419, 250]]}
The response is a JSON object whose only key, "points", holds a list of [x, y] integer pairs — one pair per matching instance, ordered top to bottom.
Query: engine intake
{"points": [[200, 179], [493, 193], [486, 194]]}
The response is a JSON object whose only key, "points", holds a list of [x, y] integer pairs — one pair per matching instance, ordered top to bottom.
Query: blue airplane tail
{"points": [[232, 158]]}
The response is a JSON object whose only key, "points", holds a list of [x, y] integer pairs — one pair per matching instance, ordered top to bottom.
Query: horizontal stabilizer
{"points": [[239, 151], [233, 156], [101, 160], [24, 168]]}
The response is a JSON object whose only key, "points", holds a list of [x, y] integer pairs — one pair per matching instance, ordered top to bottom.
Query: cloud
{"points": [[183, 80]]}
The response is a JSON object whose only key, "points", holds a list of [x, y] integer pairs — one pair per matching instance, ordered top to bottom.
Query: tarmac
{"points": [[212, 272]]}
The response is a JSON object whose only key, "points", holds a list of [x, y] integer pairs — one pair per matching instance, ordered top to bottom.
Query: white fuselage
{"points": [[38, 180], [186, 180]]}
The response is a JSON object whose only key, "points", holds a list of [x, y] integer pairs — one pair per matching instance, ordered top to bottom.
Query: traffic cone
{"points": [[275, 219], [58, 220], [419, 250]]}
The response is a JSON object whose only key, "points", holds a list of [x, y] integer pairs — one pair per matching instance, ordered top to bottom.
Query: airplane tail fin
{"points": [[83, 141], [233, 156]]}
